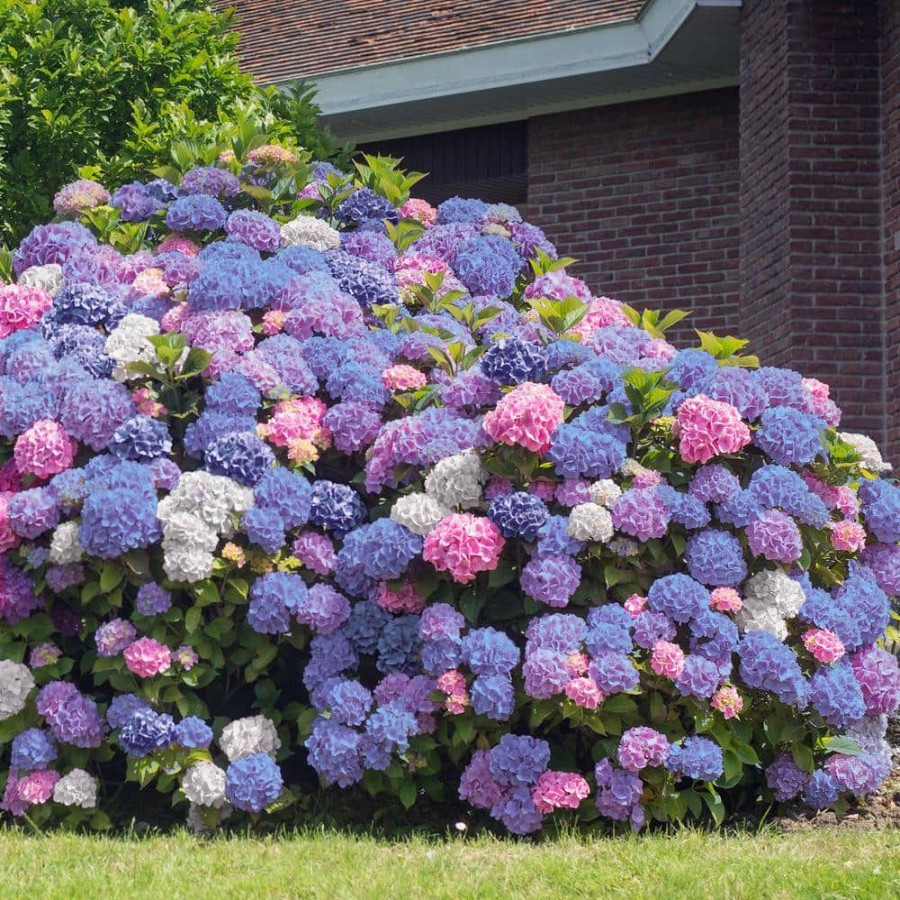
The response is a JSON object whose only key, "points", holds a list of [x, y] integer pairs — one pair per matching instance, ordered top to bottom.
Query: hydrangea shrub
{"points": [[309, 486]]}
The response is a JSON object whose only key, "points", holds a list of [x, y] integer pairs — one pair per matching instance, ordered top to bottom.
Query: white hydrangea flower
{"points": [[306, 231], [48, 278], [128, 343], [868, 450], [457, 480], [605, 492], [212, 498], [419, 513], [590, 522], [182, 529], [65, 546], [624, 546], [187, 564], [770, 597], [16, 683], [870, 733], [254, 734], [204, 784], [78, 788], [198, 824]]}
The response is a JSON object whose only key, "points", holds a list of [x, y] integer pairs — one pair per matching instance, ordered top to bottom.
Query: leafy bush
{"points": [[113, 85], [307, 483]]}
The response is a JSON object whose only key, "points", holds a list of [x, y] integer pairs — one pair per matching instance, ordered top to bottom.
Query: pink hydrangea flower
{"points": [[271, 155], [75, 197], [420, 210], [176, 243], [149, 282], [21, 307], [601, 313], [173, 318], [273, 321], [403, 378], [822, 404], [147, 405], [526, 417], [297, 419], [708, 428], [44, 449], [546, 490], [573, 491], [846, 502], [775, 536], [848, 536], [8, 538], [464, 545], [405, 599], [725, 599], [635, 605], [824, 645], [146, 657], [186, 657], [667, 659], [577, 664], [453, 684], [585, 692], [727, 701], [641, 747], [37, 787], [559, 790]]}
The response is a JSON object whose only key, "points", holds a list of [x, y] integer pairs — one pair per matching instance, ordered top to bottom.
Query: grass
{"points": [[817, 864]]}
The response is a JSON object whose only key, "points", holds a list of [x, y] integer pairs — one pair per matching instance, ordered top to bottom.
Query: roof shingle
{"points": [[287, 39]]}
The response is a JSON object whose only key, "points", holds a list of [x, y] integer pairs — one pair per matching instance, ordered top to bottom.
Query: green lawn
{"points": [[815, 864]]}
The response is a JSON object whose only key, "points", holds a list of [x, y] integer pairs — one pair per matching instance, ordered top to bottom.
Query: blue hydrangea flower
{"points": [[196, 213], [512, 361], [790, 437], [141, 439], [241, 456], [336, 507], [518, 514], [118, 520], [265, 527], [715, 558], [678, 596], [273, 598], [487, 651], [769, 665], [614, 672], [835, 695], [493, 696], [145, 731], [193, 733], [32, 749], [334, 752], [696, 757], [519, 759], [253, 783]]}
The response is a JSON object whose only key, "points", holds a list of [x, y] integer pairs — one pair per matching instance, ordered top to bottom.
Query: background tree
{"points": [[114, 85]]}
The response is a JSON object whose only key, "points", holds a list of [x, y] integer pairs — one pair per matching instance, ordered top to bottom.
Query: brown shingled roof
{"points": [[285, 39]]}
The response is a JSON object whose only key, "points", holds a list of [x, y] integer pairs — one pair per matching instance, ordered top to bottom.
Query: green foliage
{"points": [[115, 85]]}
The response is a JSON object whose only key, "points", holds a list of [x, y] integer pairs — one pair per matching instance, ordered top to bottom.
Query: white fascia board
{"points": [[508, 63]]}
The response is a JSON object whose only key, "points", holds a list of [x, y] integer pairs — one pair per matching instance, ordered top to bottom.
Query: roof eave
{"points": [[517, 79]]}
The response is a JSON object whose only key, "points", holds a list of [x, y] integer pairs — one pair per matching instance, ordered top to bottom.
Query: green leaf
{"points": [[196, 362], [111, 576], [192, 619], [841, 744], [407, 794], [714, 803]]}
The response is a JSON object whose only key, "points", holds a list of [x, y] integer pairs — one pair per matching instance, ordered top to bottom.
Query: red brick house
{"points": [[739, 159]]}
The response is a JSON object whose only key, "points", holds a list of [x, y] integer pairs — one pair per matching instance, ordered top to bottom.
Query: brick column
{"points": [[890, 91], [811, 232]]}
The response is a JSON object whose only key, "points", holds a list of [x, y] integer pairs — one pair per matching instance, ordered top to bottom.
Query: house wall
{"points": [[645, 195], [812, 292]]}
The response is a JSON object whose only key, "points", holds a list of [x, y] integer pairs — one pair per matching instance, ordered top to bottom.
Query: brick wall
{"points": [[890, 87], [645, 195], [811, 234]]}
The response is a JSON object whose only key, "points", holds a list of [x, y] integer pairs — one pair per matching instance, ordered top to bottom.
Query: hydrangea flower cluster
{"points": [[382, 496]]}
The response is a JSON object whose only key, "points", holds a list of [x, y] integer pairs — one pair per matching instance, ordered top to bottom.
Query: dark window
{"points": [[489, 162]]}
